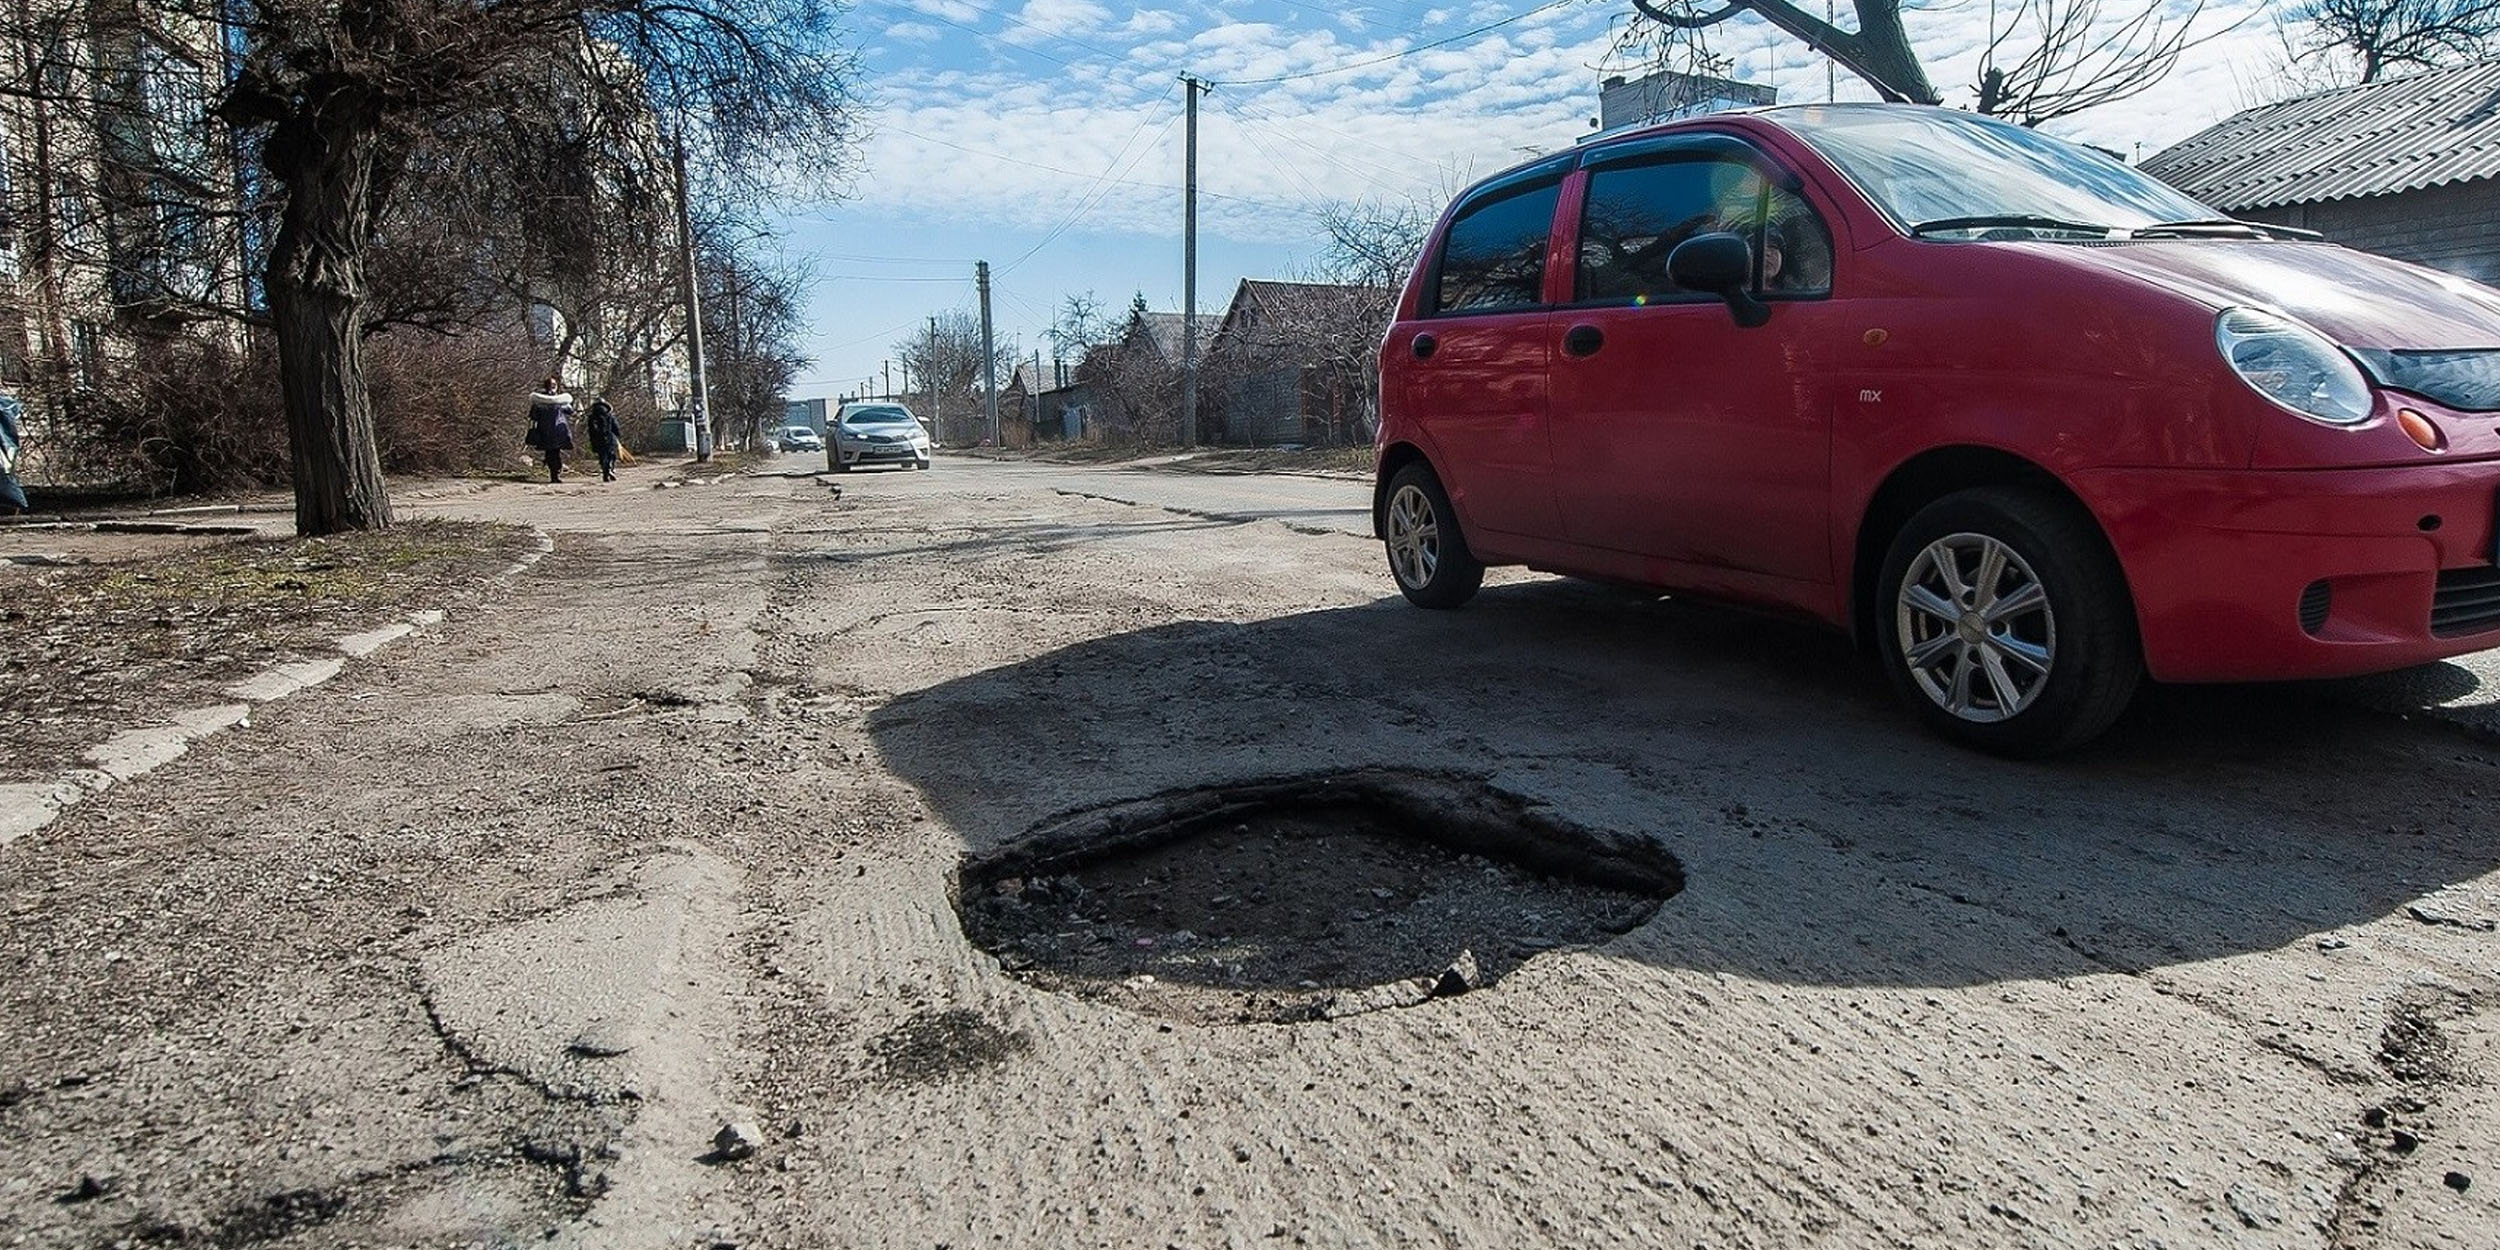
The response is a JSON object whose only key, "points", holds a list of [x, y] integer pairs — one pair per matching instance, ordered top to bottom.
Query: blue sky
{"points": [[1045, 136]]}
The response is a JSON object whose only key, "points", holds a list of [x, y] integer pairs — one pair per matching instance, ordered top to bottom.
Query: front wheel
{"points": [[924, 463], [1427, 554], [2005, 622]]}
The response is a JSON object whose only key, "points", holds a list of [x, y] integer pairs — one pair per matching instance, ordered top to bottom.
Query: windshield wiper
{"points": [[2021, 220], [2211, 227]]}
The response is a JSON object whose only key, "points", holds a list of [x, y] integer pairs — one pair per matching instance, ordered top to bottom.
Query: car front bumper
{"points": [[881, 453], [2263, 576]]}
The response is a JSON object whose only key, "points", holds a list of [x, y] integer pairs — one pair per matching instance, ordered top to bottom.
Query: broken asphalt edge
{"points": [[30, 807]]}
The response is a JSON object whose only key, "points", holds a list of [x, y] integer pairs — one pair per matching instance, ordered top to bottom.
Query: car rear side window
{"points": [[1637, 214], [1494, 255]]}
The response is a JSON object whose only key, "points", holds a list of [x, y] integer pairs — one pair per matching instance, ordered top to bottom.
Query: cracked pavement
{"points": [[480, 943]]}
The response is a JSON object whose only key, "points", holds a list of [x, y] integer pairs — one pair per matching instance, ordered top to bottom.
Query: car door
{"points": [[1479, 355], [1689, 437]]}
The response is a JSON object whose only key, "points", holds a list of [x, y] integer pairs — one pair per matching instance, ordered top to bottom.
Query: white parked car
{"points": [[876, 433], [799, 438]]}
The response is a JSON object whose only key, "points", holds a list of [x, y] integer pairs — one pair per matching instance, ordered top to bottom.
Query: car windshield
{"points": [[1961, 175], [876, 416]]}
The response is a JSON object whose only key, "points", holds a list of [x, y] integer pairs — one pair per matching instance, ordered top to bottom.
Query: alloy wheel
{"points": [[1414, 536], [1975, 628]]}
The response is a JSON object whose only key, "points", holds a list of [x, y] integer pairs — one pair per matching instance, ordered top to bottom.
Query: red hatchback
{"points": [[2031, 424]]}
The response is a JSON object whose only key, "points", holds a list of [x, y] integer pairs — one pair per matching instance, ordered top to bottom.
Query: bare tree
{"points": [[2372, 37], [1878, 51], [2065, 55], [2071, 59], [341, 97], [1374, 243], [752, 314], [1080, 325], [949, 357]]}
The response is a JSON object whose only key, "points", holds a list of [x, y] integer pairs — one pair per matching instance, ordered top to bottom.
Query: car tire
{"points": [[924, 464], [1428, 555], [2003, 618]]}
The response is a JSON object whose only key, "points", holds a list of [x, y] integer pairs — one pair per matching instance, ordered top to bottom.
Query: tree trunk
{"points": [[1889, 60], [316, 292]]}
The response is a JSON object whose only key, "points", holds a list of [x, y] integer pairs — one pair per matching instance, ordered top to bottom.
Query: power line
{"points": [[1394, 56], [1117, 182], [1093, 194]]}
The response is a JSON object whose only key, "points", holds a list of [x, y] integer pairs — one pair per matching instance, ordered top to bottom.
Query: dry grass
{"points": [[94, 649]]}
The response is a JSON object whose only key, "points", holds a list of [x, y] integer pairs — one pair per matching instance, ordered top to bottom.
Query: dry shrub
{"points": [[449, 404], [183, 416], [186, 416], [637, 420]]}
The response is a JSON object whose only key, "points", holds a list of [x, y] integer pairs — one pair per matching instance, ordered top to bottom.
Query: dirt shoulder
{"points": [[110, 630]]}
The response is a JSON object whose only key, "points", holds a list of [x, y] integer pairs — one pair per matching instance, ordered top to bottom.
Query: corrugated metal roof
{"points": [[2402, 134]]}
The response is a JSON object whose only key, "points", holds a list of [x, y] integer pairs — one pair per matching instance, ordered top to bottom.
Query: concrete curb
{"points": [[29, 807]]}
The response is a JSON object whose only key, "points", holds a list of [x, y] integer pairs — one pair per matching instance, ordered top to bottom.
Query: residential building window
{"points": [[86, 348]]}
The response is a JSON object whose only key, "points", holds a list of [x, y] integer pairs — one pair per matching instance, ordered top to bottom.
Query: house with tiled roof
{"points": [[2405, 167]]}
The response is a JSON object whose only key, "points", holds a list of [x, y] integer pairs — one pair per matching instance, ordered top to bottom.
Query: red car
{"points": [[2030, 424]]}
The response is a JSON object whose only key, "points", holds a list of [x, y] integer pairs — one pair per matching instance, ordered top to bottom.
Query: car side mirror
{"points": [[1721, 264]]}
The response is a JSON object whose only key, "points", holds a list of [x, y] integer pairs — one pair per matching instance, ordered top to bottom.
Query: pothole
{"points": [[1303, 898]]}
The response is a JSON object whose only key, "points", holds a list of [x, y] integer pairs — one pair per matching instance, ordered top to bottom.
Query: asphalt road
{"points": [[483, 942]]}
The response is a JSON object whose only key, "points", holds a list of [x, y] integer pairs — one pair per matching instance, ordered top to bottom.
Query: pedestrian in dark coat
{"points": [[551, 425], [604, 437], [12, 495]]}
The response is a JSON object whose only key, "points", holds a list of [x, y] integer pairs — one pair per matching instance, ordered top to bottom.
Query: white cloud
{"points": [[953, 10], [1062, 17], [1145, 22], [914, 32], [1045, 139]]}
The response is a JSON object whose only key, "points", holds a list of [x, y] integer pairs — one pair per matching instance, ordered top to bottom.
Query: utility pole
{"points": [[1189, 274], [693, 300], [989, 353], [737, 354], [889, 380], [932, 380]]}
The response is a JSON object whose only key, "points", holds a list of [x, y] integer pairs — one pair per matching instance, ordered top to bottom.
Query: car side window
{"points": [[1636, 215], [1493, 257]]}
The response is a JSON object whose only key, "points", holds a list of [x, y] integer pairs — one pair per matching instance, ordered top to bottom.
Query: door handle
{"points": [[1583, 340], [1423, 345]]}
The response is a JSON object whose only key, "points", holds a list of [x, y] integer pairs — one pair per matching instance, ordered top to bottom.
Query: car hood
{"points": [[2354, 298]]}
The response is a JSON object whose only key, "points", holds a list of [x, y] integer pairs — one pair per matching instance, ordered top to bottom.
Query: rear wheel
{"points": [[1427, 554], [2005, 622]]}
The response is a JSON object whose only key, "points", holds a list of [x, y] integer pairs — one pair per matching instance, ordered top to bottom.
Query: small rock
{"points": [[1380, 891], [2448, 914], [2332, 944], [1461, 976], [604, 1040], [737, 1140], [2405, 1143], [2457, 1181], [91, 1187], [2256, 1207]]}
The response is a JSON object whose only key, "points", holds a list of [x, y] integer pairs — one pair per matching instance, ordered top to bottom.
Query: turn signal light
{"points": [[2419, 428]]}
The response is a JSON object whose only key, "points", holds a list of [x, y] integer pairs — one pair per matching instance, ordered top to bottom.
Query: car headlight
{"points": [[2291, 365]]}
